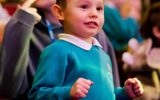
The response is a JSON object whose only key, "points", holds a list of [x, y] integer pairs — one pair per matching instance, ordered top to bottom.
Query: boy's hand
{"points": [[27, 7], [133, 87], [80, 88]]}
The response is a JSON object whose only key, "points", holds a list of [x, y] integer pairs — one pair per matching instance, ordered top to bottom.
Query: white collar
{"points": [[78, 42]]}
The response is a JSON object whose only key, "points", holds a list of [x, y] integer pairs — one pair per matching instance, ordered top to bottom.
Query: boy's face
{"points": [[83, 18]]}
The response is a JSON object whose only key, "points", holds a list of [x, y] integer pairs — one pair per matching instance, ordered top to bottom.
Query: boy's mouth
{"points": [[91, 24]]}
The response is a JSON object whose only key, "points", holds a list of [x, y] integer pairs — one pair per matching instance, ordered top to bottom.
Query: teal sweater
{"points": [[62, 63]]}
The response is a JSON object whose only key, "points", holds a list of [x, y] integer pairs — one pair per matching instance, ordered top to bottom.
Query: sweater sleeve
{"points": [[14, 53], [49, 78], [120, 94]]}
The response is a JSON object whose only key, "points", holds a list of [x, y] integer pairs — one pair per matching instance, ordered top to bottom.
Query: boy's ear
{"points": [[57, 11], [156, 32]]}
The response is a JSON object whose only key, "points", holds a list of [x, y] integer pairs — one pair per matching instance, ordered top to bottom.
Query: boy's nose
{"points": [[93, 13]]}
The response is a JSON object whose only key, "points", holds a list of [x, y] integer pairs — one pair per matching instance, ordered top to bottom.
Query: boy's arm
{"points": [[14, 53], [50, 75], [132, 89], [121, 94]]}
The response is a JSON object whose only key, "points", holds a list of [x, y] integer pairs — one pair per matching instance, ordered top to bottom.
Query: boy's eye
{"points": [[84, 6], [99, 8]]}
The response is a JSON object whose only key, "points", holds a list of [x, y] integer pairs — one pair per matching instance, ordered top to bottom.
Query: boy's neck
{"points": [[88, 40]]}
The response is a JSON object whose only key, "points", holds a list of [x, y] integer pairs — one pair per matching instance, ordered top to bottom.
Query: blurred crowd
{"points": [[131, 37]]}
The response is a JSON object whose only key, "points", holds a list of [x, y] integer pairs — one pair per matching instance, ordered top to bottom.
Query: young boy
{"points": [[75, 66]]}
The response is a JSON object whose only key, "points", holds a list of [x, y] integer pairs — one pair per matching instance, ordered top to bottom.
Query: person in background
{"points": [[121, 22], [25, 36], [21, 49], [142, 60], [75, 66]]}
